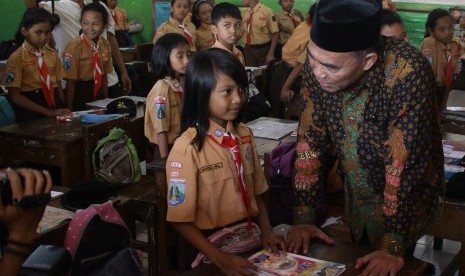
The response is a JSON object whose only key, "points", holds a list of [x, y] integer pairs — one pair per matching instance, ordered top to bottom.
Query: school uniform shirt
{"points": [[121, 16], [263, 24], [286, 25], [69, 26], [173, 26], [204, 37], [295, 50], [235, 52], [440, 55], [77, 59], [22, 68], [163, 110], [203, 185]]}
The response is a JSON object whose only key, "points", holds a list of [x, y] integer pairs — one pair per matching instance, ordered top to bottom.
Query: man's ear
{"points": [[369, 60]]}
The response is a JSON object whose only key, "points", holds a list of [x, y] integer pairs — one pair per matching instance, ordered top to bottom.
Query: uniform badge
{"points": [[67, 61], [10, 77], [160, 107], [218, 132], [248, 154], [176, 165], [174, 174], [177, 191]]}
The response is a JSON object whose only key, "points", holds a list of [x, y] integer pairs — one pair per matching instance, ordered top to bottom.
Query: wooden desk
{"points": [[48, 142], [343, 252]]}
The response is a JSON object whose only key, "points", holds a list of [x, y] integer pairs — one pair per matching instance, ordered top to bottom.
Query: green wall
{"points": [[141, 11]]}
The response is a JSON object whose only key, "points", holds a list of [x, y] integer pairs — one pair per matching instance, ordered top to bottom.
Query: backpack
{"points": [[7, 47], [258, 106], [7, 115], [115, 159], [282, 160], [95, 237]]}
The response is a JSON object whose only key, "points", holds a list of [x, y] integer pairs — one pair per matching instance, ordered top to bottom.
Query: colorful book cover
{"points": [[291, 264]]}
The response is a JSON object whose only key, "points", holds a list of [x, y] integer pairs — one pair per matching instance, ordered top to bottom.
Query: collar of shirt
{"points": [[256, 7], [175, 22], [205, 26], [220, 45], [32, 49], [217, 132]]}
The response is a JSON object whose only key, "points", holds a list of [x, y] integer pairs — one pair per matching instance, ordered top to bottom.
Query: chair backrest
{"points": [[144, 51], [91, 134]]}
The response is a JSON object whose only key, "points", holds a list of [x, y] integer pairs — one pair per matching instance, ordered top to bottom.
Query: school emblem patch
{"points": [[67, 61], [10, 77], [160, 106], [177, 191]]}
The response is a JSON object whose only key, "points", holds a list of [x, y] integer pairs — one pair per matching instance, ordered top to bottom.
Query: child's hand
{"points": [[60, 112], [273, 241], [235, 265]]}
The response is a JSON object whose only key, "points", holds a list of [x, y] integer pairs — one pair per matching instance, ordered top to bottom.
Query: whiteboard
{"points": [[440, 2]]}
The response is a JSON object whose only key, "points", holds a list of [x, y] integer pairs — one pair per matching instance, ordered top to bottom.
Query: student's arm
{"points": [[30, 4], [274, 42], [118, 59], [104, 88], [14, 94], [287, 94], [69, 95], [162, 142], [269, 239], [228, 263]]}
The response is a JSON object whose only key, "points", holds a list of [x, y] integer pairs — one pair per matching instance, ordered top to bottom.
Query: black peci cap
{"points": [[346, 25]]}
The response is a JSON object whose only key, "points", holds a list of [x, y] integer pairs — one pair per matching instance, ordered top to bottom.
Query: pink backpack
{"points": [[94, 236]]}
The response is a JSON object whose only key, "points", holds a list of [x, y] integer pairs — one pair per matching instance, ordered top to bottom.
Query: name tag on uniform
{"points": [[211, 167]]}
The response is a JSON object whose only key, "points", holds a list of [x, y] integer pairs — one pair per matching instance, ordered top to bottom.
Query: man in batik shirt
{"points": [[372, 100]]}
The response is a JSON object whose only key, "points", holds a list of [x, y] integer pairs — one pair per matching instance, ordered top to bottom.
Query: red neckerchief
{"points": [[115, 17], [294, 22], [187, 35], [96, 64], [449, 70], [47, 87], [230, 142]]}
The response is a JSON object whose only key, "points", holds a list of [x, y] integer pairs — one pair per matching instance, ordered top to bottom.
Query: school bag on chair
{"points": [[115, 159], [282, 160], [99, 243]]}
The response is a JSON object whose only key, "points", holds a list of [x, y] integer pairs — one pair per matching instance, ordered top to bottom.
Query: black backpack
{"points": [[7, 47]]}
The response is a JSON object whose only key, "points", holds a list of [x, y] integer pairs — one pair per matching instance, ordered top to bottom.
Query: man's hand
{"points": [[299, 236], [380, 263]]}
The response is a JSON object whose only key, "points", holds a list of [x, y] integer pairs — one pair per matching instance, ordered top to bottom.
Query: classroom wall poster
{"points": [[439, 2], [162, 13]]}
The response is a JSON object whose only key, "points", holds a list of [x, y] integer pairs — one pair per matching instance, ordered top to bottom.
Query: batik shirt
{"points": [[385, 132]]}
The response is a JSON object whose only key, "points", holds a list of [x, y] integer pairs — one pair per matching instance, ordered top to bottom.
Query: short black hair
{"points": [[97, 7], [223, 10], [390, 17], [432, 19], [161, 54], [200, 79]]}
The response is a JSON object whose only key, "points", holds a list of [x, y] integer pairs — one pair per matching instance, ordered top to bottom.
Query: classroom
{"points": [[244, 137]]}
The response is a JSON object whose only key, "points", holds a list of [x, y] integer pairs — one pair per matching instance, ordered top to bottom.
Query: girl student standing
{"points": [[202, 20], [177, 24], [441, 50], [87, 60], [34, 70], [163, 106], [214, 174]]}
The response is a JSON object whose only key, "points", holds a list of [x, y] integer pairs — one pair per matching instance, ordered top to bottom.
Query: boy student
{"points": [[287, 22], [392, 25], [226, 27], [261, 33]]}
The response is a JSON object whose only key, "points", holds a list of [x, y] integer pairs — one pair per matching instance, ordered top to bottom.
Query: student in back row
{"points": [[201, 11], [227, 21], [287, 22], [177, 24], [261, 33], [87, 60], [34, 71], [163, 110]]}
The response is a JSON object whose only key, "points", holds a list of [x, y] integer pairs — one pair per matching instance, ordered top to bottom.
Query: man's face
{"points": [[396, 30], [336, 71]]}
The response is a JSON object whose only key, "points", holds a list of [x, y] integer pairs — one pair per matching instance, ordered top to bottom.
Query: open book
{"points": [[292, 264]]}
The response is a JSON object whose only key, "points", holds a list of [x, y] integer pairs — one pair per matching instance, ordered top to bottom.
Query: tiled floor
{"points": [[439, 258]]}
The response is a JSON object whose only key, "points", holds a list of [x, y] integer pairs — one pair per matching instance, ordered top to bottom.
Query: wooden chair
{"points": [[137, 200]]}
